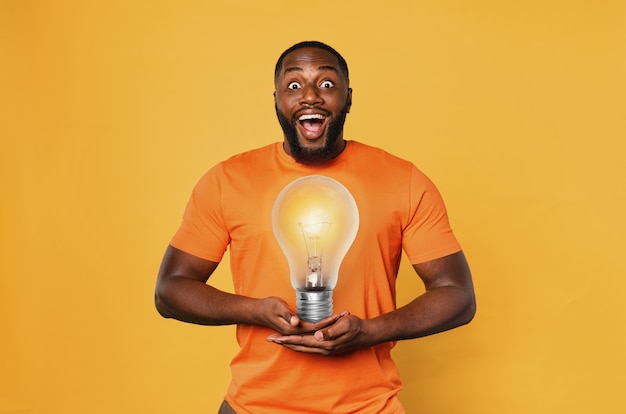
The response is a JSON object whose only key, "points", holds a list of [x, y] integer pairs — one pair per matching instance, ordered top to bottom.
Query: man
{"points": [[341, 364]]}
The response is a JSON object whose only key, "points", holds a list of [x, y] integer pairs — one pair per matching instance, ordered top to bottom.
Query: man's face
{"points": [[312, 99]]}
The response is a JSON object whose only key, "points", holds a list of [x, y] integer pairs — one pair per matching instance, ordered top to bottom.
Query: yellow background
{"points": [[111, 110]]}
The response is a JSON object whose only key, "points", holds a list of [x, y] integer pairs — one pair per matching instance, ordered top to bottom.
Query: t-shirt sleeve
{"points": [[203, 232], [427, 234]]}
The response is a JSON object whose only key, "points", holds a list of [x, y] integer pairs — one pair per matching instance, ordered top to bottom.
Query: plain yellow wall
{"points": [[111, 110]]}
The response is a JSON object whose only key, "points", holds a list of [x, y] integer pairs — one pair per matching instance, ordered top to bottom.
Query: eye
{"points": [[327, 84], [293, 85]]}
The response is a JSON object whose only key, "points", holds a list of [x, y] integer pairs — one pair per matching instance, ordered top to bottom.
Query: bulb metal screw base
{"points": [[314, 305]]}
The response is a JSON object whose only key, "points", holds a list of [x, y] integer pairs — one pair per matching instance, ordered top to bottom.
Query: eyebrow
{"points": [[321, 68]]}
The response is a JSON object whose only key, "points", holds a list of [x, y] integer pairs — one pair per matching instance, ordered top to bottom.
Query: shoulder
{"points": [[375, 153], [254, 155], [379, 160], [245, 162], [242, 170], [390, 172]]}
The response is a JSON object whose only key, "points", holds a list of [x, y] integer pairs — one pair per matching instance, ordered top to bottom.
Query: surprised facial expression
{"points": [[312, 99]]}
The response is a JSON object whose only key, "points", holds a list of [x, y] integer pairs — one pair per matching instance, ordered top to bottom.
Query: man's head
{"points": [[312, 99]]}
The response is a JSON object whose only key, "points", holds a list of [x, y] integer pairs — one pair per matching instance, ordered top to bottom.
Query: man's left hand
{"points": [[344, 335]]}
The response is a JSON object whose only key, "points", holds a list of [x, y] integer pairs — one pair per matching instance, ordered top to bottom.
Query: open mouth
{"points": [[312, 125]]}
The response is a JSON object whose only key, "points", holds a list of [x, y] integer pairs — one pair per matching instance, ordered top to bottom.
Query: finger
{"points": [[334, 317], [288, 319], [328, 321], [333, 331], [325, 334], [277, 339], [291, 340], [298, 343], [307, 349]]}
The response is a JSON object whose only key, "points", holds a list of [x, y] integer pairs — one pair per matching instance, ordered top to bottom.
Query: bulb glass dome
{"points": [[315, 220]]}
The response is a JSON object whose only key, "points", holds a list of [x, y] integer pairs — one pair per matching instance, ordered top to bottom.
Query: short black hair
{"points": [[343, 66]]}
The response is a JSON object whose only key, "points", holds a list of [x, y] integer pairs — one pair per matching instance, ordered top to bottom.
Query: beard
{"points": [[313, 156]]}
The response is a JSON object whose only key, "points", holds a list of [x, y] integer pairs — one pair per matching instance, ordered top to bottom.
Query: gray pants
{"points": [[226, 409]]}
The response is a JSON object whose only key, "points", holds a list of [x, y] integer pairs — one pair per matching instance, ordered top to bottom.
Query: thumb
{"points": [[291, 319], [294, 320], [319, 335]]}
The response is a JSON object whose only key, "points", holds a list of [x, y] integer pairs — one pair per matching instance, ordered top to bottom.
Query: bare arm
{"points": [[182, 293], [448, 302]]}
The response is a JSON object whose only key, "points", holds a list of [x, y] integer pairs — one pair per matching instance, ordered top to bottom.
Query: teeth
{"points": [[311, 116]]}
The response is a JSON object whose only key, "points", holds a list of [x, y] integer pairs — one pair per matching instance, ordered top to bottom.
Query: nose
{"points": [[310, 95]]}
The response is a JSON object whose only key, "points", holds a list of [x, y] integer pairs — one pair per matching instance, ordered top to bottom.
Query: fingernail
{"points": [[319, 335]]}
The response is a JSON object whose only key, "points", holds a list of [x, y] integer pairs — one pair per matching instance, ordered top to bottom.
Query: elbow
{"points": [[160, 303], [469, 311]]}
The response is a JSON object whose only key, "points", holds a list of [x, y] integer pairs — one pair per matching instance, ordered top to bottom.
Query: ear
{"points": [[274, 97], [349, 100]]}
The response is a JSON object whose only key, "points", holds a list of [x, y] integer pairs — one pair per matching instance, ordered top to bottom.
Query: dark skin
{"points": [[311, 83]]}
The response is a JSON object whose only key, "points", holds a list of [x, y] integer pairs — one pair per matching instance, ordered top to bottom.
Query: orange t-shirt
{"points": [[399, 208]]}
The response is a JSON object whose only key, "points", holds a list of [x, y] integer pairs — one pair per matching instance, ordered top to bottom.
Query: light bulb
{"points": [[315, 220]]}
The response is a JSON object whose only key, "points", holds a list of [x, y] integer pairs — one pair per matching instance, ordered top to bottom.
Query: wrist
{"points": [[374, 331]]}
